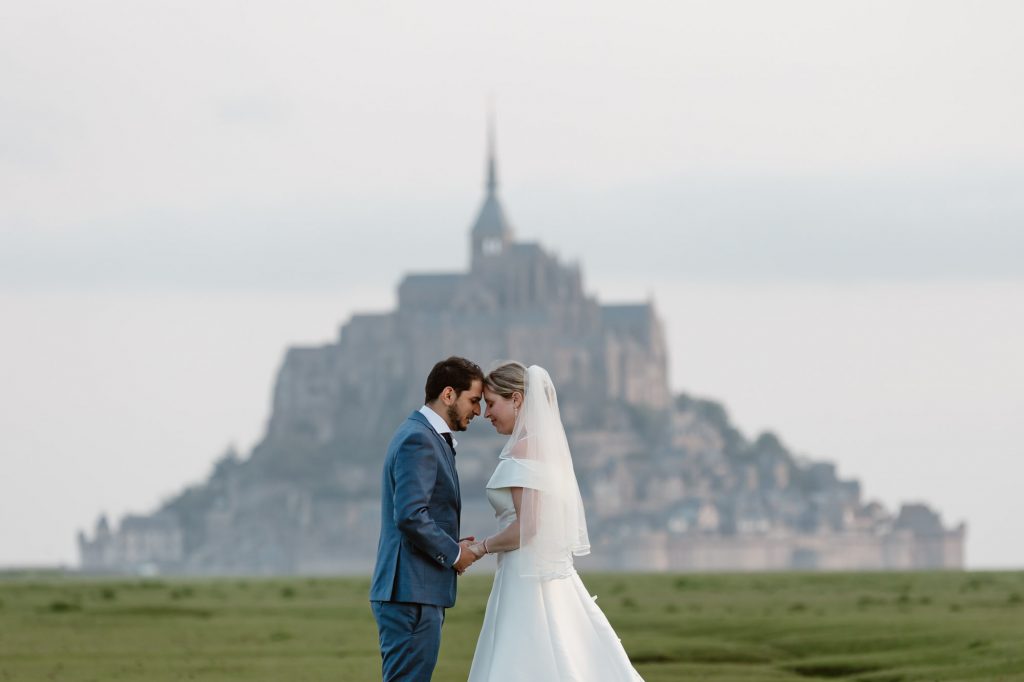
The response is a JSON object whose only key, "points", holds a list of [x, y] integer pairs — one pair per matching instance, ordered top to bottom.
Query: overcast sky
{"points": [[182, 179]]}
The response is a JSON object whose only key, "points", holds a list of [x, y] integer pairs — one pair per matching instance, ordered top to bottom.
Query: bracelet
{"points": [[485, 546]]}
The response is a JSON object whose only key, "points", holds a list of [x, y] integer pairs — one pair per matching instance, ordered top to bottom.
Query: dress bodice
{"points": [[510, 473], [504, 509]]}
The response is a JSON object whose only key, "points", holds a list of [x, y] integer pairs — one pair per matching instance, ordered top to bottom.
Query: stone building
{"points": [[668, 482]]}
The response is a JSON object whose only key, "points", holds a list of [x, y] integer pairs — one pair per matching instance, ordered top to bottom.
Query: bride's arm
{"points": [[507, 539]]}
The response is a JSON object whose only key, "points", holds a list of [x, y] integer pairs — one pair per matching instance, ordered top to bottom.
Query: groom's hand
{"points": [[466, 558]]}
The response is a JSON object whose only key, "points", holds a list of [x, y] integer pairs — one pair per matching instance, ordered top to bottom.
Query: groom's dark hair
{"points": [[456, 372]]}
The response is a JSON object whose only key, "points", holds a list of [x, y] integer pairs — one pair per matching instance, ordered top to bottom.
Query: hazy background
{"points": [[824, 199]]}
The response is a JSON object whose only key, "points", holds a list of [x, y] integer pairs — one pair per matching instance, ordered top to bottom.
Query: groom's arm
{"points": [[415, 473]]}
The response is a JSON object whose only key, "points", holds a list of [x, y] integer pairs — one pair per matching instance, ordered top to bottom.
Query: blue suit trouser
{"points": [[410, 637]]}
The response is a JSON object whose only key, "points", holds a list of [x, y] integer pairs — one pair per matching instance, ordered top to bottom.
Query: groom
{"points": [[418, 556]]}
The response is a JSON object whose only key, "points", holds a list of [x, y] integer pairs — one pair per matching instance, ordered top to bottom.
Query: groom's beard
{"points": [[455, 419]]}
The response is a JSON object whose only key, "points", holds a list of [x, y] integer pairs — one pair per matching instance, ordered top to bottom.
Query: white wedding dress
{"points": [[541, 630]]}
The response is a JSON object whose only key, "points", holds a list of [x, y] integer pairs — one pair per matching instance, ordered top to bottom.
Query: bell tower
{"points": [[492, 233]]}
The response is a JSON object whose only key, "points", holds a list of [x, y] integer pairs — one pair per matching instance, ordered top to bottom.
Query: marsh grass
{"points": [[866, 627]]}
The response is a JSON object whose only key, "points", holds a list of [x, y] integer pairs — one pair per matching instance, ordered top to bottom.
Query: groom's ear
{"points": [[449, 396]]}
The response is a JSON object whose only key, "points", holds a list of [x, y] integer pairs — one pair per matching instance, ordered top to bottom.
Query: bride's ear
{"points": [[517, 399]]}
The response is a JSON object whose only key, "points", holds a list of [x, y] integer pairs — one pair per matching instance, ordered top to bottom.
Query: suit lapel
{"points": [[446, 455], [455, 472]]}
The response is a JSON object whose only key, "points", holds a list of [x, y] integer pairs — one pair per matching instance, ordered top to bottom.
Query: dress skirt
{"points": [[546, 631]]}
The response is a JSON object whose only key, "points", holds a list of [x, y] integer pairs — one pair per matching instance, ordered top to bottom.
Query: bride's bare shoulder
{"points": [[519, 449]]}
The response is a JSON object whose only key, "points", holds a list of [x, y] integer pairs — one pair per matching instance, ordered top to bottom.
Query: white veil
{"points": [[552, 525]]}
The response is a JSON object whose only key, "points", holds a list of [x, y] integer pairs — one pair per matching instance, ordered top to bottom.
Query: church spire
{"points": [[492, 163], [491, 233]]}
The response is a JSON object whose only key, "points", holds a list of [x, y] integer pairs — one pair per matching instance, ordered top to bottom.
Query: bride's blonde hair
{"points": [[507, 378]]}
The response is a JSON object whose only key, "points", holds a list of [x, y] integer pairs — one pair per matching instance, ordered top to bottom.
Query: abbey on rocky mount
{"points": [[668, 482]]}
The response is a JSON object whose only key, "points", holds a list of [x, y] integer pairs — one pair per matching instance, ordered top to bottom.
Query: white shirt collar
{"points": [[439, 424]]}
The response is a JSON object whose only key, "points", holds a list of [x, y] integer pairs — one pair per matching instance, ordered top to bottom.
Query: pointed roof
{"points": [[492, 170], [491, 220]]}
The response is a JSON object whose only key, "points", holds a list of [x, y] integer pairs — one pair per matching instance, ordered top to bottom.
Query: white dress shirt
{"points": [[439, 424]]}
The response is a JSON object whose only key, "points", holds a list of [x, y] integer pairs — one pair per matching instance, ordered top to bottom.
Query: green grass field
{"points": [[879, 627]]}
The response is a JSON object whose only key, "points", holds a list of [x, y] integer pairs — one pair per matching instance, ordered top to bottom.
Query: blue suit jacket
{"points": [[419, 518]]}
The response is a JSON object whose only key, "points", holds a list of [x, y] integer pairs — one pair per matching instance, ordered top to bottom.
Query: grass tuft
{"points": [[63, 607]]}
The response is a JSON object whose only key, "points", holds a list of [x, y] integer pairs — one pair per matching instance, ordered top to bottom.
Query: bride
{"points": [[540, 623]]}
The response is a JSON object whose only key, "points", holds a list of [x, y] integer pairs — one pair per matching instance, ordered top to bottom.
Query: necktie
{"points": [[451, 443]]}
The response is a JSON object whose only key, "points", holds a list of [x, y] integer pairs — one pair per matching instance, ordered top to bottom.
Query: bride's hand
{"points": [[477, 548]]}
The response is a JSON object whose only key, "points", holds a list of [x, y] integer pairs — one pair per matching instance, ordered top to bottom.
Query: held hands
{"points": [[477, 548], [469, 554]]}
